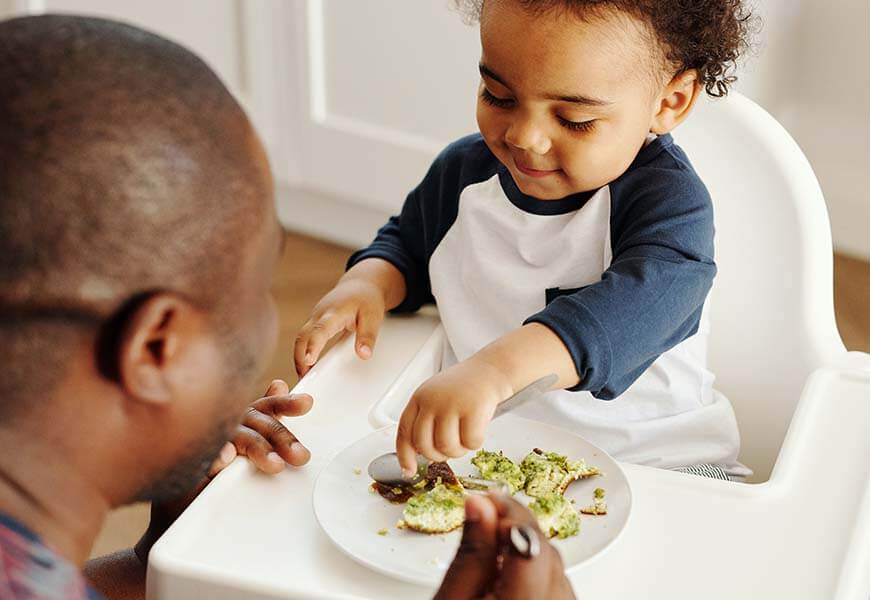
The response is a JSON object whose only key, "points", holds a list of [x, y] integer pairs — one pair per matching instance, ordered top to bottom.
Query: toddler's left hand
{"points": [[447, 415]]}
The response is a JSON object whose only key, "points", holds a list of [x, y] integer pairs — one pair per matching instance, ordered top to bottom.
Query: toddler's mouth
{"points": [[537, 173]]}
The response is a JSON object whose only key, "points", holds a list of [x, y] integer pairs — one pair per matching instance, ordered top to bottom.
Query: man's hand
{"points": [[448, 414], [263, 438], [487, 566]]}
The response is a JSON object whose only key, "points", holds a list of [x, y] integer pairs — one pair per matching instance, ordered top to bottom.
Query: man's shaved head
{"points": [[126, 167]]}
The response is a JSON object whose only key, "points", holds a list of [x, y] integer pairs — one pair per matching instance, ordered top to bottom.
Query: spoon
{"points": [[386, 470]]}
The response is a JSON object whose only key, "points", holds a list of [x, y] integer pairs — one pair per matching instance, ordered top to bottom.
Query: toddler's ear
{"points": [[676, 101]]}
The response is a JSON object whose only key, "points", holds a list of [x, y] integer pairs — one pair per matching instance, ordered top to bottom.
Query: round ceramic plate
{"points": [[363, 525]]}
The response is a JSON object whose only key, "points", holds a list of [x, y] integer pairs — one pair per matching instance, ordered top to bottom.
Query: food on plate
{"points": [[495, 466], [440, 471], [550, 473], [396, 494], [399, 494], [437, 503], [598, 506], [438, 510], [556, 516]]}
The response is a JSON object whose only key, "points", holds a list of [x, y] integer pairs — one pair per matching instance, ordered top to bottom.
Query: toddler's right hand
{"points": [[355, 304]]}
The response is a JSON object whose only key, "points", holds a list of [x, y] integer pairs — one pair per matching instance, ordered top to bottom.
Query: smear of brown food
{"points": [[442, 471], [394, 494]]}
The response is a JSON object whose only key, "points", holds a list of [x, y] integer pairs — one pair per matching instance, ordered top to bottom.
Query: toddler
{"points": [[570, 236]]}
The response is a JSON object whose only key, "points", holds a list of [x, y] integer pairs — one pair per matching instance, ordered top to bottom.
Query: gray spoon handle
{"points": [[530, 392]]}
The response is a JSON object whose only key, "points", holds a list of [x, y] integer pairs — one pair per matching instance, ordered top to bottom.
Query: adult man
{"points": [[137, 239]]}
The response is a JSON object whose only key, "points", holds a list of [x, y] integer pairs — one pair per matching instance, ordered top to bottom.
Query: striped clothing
{"points": [[30, 570]]}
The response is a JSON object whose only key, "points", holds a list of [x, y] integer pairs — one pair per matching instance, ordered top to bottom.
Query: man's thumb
{"points": [[474, 567]]}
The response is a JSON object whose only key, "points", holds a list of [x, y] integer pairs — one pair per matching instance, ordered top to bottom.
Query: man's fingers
{"points": [[368, 322], [278, 387], [285, 405], [278, 437], [258, 450], [226, 456], [474, 566], [539, 577]]}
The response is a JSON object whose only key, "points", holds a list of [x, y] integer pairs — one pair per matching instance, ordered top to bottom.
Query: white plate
{"points": [[351, 515]]}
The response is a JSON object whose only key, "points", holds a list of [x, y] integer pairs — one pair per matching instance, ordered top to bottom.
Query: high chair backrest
{"points": [[772, 310]]}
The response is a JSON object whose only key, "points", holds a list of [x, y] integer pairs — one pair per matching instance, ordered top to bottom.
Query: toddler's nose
{"points": [[524, 135]]}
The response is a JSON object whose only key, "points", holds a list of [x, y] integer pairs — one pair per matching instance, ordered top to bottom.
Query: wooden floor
{"points": [[310, 268]]}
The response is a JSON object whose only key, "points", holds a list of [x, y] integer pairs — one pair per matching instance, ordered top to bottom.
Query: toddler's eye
{"points": [[487, 97], [577, 125]]}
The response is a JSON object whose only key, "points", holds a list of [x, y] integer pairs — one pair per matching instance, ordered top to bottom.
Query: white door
{"points": [[382, 86]]}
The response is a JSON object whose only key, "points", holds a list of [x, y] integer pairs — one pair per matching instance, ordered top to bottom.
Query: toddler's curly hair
{"points": [[706, 35]]}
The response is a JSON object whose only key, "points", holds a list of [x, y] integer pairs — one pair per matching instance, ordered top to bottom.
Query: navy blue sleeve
{"points": [[409, 239], [400, 242], [651, 297]]}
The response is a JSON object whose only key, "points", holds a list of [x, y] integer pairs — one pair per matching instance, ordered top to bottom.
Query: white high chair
{"points": [[802, 402]]}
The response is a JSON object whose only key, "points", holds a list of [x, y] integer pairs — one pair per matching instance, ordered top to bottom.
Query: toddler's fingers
{"points": [[368, 322], [322, 330], [312, 338], [299, 348], [472, 431], [424, 439], [447, 440], [404, 447]]}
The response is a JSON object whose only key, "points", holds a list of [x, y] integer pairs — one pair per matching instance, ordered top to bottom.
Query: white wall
{"points": [[812, 73]]}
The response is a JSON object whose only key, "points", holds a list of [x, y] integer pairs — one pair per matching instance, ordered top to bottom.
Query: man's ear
{"points": [[676, 102], [155, 334]]}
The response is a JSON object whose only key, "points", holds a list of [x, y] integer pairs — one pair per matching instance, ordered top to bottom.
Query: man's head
{"points": [[571, 88], [137, 240]]}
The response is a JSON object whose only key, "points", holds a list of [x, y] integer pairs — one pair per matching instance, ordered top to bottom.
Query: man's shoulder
{"points": [[32, 570]]}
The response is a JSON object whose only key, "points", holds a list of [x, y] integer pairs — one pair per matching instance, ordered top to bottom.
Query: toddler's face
{"points": [[564, 104]]}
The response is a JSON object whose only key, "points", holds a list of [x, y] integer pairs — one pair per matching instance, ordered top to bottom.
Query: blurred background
{"points": [[353, 99]]}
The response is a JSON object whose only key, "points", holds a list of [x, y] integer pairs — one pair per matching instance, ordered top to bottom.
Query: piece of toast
{"points": [[495, 466], [551, 473], [598, 506], [440, 510], [556, 516]]}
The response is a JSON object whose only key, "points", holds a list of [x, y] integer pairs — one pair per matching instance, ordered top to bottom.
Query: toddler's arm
{"points": [[390, 274], [447, 415]]}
